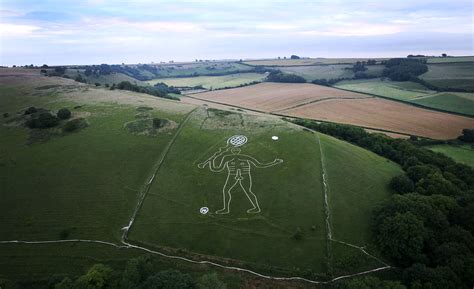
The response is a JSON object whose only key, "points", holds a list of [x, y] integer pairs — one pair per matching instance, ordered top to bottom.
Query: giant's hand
{"points": [[278, 161]]}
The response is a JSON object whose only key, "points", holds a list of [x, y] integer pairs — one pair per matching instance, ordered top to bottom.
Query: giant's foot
{"points": [[254, 210], [222, 211]]}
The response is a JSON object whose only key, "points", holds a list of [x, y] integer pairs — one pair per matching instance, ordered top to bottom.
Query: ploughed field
{"points": [[334, 105]]}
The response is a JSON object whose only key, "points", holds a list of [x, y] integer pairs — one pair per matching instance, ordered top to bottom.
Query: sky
{"points": [[143, 31]]}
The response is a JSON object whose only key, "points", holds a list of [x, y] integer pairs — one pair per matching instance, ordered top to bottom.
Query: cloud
{"points": [[9, 29], [357, 29]]}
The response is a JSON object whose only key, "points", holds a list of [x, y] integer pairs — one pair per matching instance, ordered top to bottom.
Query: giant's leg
{"points": [[230, 183], [246, 184]]}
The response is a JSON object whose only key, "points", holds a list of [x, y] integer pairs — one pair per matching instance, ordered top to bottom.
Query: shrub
{"points": [[278, 76], [97, 84], [31, 110], [64, 113], [44, 120], [158, 122], [75, 124]]}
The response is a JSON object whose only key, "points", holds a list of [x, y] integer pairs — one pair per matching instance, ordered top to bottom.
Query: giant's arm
{"points": [[258, 164], [220, 166]]}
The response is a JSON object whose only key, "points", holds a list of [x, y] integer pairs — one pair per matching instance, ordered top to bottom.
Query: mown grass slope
{"points": [[291, 196]]}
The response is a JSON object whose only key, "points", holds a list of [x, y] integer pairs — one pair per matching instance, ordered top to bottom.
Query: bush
{"points": [[278, 76], [97, 84], [31, 110], [64, 113], [44, 120], [158, 122], [75, 124], [467, 135], [402, 184], [209, 281]]}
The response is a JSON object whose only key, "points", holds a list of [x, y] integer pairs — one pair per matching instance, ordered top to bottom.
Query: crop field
{"points": [[307, 61], [312, 72], [451, 75], [211, 82], [272, 97], [329, 104], [386, 115], [460, 153], [170, 218]]}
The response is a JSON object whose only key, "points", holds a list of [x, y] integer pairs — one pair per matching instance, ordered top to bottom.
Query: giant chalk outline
{"points": [[239, 168], [128, 245]]}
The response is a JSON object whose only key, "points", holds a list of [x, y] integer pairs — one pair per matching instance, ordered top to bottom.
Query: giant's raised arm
{"points": [[258, 164]]}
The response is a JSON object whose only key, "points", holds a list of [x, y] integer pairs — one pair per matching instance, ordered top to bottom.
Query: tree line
{"points": [[426, 228]]}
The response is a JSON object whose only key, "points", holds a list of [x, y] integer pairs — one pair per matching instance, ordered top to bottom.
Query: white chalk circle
{"points": [[274, 137], [237, 140], [204, 210]]}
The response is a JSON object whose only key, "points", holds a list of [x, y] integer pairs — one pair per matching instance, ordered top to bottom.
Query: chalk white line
{"points": [[326, 205], [127, 245]]}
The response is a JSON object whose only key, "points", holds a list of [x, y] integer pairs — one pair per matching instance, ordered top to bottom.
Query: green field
{"points": [[451, 59], [328, 71], [451, 75], [211, 82], [393, 89], [413, 92], [451, 101], [460, 153]]}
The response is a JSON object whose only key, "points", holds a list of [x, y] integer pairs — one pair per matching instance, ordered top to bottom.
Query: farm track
{"points": [[317, 100]]}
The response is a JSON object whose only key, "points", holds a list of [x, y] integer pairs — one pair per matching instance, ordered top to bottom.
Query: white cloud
{"points": [[9, 29], [357, 29]]}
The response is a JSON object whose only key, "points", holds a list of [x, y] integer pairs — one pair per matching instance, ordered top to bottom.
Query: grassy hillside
{"points": [[208, 82], [460, 153], [85, 185], [291, 197]]}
